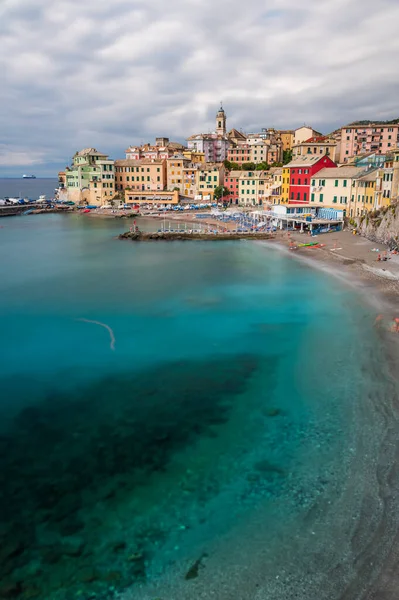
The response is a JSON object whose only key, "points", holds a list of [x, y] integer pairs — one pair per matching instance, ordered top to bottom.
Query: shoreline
{"points": [[370, 568]]}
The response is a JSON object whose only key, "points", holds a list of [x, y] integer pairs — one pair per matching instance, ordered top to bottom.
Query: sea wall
{"points": [[381, 226], [171, 236]]}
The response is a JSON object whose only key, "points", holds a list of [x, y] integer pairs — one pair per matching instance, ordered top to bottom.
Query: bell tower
{"points": [[221, 121]]}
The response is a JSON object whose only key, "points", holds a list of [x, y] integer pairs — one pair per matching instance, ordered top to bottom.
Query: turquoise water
{"points": [[155, 397]]}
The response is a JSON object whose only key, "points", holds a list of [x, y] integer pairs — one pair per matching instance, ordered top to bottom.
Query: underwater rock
{"points": [[70, 526], [73, 546], [118, 546], [10, 548], [193, 571], [87, 575], [10, 589]]}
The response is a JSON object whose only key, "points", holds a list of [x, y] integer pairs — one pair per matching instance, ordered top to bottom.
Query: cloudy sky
{"points": [[78, 73]]}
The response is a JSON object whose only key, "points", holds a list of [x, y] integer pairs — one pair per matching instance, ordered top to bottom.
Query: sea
{"points": [[27, 188], [181, 420]]}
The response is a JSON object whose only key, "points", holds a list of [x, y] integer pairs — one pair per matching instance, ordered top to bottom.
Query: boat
{"points": [[28, 176]]}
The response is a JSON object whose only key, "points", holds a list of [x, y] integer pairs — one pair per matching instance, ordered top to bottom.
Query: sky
{"points": [[108, 74]]}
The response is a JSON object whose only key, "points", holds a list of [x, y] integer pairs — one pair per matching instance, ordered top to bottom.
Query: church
{"points": [[215, 144]]}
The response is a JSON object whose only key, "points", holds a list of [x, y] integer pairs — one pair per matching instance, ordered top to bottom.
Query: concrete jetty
{"points": [[170, 236]]}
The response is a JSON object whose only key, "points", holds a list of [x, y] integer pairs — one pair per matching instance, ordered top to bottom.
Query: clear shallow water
{"points": [[233, 390]]}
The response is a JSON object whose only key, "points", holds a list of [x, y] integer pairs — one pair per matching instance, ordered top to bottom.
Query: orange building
{"points": [[174, 172], [144, 174]]}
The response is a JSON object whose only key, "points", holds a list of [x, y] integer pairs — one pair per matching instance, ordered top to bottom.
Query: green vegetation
{"points": [[287, 157], [220, 191]]}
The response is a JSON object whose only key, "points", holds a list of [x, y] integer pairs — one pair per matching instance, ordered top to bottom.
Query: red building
{"points": [[241, 154], [301, 171], [231, 181]]}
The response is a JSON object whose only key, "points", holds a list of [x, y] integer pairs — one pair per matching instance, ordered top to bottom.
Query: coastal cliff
{"points": [[381, 226]]}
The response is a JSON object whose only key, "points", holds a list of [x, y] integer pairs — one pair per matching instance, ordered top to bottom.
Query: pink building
{"points": [[376, 137]]}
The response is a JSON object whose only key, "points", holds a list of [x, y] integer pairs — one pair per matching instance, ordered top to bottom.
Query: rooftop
{"points": [[90, 152], [305, 161], [131, 162], [340, 172]]}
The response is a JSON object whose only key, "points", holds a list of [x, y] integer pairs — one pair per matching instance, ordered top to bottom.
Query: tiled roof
{"points": [[90, 151], [305, 161], [131, 162], [339, 173]]}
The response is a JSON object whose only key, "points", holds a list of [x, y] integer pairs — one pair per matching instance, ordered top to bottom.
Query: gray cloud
{"points": [[92, 73]]}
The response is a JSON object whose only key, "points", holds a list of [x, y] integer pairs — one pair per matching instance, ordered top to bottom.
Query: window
{"points": [[347, 152], [128, 178], [314, 182], [345, 182], [336, 183], [305, 196], [321, 197], [312, 198], [335, 200]]}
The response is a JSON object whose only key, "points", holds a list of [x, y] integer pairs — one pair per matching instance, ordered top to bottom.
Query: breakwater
{"points": [[141, 236]]}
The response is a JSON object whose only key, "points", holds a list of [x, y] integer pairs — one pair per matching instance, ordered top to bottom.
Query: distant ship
{"points": [[28, 176]]}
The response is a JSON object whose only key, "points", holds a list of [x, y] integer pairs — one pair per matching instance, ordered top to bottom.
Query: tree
{"points": [[287, 156], [227, 165], [231, 166], [249, 166], [263, 166], [220, 191]]}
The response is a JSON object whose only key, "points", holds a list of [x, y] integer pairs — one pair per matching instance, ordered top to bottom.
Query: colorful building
{"points": [[301, 134], [287, 138], [379, 138], [214, 145], [316, 146], [161, 150], [239, 154], [194, 157], [174, 172], [300, 173], [142, 174], [277, 175], [91, 178], [208, 178], [190, 179], [231, 182], [333, 187], [255, 188], [363, 194], [151, 197]]}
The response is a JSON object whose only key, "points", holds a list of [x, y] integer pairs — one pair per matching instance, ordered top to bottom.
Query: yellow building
{"points": [[287, 138], [194, 156], [174, 172], [277, 175], [208, 177], [190, 179], [285, 185], [334, 187], [255, 188], [363, 195]]}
